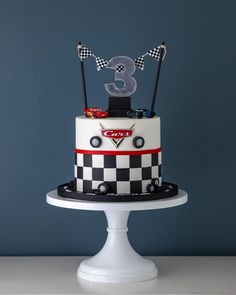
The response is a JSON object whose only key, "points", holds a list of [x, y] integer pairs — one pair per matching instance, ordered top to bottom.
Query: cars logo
{"points": [[117, 133], [116, 136]]}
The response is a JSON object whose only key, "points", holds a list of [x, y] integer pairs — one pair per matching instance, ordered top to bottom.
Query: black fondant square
{"points": [[155, 159], [87, 160], [109, 161], [135, 161], [159, 170], [80, 172], [147, 173], [97, 174], [122, 174], [87, 186], [113, 186], [136, 186]]}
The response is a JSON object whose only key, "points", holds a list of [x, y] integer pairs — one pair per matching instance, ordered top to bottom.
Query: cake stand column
{"points": [[117, 261]]}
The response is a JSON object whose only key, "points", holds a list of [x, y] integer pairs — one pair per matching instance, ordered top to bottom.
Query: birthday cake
{"points": [[118, 154]]}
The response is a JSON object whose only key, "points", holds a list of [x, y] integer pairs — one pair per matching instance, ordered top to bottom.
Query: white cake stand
{"points": [[117, 261]]}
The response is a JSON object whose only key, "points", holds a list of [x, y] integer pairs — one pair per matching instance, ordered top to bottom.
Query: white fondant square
{"points": [[159, 158], [80, 160], [147, 160], [98, 161], [122, 161], [75, 171], [155, 172], [87, 173], [109, 174], [135, 174], [95, 184], [79, 185], [144, 185], [123, 187]]}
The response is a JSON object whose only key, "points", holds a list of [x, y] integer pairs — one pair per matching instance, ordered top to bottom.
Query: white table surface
{"points": [[177, 275]]}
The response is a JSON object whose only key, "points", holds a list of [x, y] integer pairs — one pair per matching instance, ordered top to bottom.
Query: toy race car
{"points": [[95, 113], [140, 113]]}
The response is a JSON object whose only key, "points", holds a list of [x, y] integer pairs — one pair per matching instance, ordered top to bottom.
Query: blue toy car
{"points": [[140, 113]]}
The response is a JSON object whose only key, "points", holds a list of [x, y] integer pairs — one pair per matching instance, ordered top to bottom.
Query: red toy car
{"points": [[95, 113], [100, 114]]}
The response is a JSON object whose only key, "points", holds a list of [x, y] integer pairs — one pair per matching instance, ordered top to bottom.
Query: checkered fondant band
{"points": [[124, 173]]}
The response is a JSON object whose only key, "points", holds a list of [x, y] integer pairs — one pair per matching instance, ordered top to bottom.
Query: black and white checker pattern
{"points": [[84, 52], [155, 52], [139, 62], [101, 63], [120, 68], [124, 173]]}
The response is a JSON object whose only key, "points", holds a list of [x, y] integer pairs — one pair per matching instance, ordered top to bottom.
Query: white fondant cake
{"points": [[118, 149], [124, 153]]}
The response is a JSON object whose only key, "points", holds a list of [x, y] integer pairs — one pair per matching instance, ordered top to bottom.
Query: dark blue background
{"points": [[40, 95]]}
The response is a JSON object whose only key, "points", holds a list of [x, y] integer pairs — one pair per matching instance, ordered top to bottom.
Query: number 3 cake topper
{"points": [[124, 68]]}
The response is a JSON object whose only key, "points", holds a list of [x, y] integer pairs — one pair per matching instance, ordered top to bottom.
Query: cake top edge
{"points": [[80, 117]]}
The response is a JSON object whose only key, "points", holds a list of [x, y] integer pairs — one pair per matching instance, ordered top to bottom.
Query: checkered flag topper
{"points": [[84, 52], [155, 52], [139, 62], [101, 63]]}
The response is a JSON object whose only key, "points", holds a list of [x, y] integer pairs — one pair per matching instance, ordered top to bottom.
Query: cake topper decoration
{"points": [[85, 52], [124, 68], [82, 73]]}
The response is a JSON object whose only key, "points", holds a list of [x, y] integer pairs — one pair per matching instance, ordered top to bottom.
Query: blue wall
{"points": [[40, 95]]}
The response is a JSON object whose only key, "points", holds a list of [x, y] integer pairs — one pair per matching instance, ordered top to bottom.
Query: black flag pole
{"points": [[162, 50], [83, 77]]}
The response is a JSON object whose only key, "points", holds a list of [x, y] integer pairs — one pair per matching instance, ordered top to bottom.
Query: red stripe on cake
{"points": [[100, 152]]}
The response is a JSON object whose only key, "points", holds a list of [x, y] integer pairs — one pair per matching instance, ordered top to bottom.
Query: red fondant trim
{"points": [[99, 152]]}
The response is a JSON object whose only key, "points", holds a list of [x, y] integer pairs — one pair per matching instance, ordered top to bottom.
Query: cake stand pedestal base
{"points": [[117, 261]]}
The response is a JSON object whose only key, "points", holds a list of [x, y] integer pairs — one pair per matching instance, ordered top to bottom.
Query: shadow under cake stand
{"points": [[117, 261]]}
